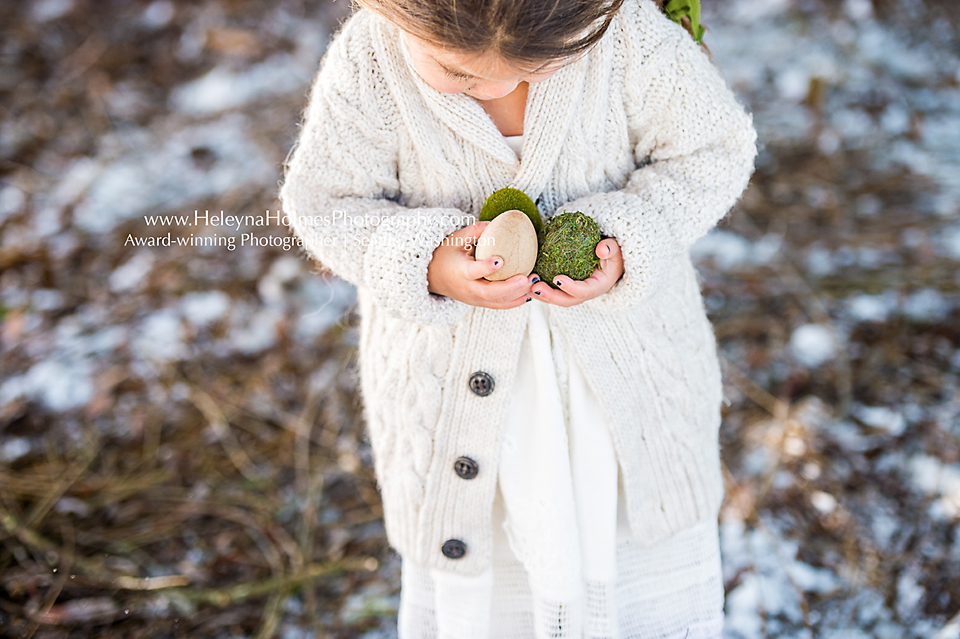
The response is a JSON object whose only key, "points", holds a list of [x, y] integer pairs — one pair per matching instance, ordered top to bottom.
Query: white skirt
{"points": [[565, 564]]}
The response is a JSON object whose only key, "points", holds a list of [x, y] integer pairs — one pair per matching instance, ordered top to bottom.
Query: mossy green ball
{"points": [[510, 199], [569, 247]]}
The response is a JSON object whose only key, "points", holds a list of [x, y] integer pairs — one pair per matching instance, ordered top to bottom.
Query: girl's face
{"points": [[484, 76]]}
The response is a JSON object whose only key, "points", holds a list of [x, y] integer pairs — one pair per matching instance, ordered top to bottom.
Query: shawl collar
{"points": [[551, 106]]}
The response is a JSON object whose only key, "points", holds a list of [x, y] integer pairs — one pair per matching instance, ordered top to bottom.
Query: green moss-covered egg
{"points": [[510, 199], [568, 247]]}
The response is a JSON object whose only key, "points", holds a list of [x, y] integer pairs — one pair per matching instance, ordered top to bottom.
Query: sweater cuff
{"points": [[645, 240], [395, 264]]}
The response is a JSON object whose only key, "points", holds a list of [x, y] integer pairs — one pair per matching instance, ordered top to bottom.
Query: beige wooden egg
{"points": [[511, 236]]}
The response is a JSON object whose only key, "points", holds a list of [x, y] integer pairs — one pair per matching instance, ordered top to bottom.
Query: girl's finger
{"points": [[607, 249], [609, 253], [476, 269], [505, 291], [544, 292], [520, 301]]}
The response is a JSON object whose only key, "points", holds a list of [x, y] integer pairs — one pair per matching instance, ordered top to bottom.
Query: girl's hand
{"points": [[454, 273], [573, 292]]}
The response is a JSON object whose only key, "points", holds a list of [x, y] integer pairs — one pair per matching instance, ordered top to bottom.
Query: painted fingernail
{"points": [[609, 250], [496, 262], [535, 279], [557, 282], [536, 292], [528, 299]]}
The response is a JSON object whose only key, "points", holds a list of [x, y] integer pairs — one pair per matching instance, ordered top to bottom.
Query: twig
{"points": [[810, 300], [777, 408], [214, 416], [309, 485], [42, 507], [66, 563], [241, 592], [215, 596], [271, 614]]}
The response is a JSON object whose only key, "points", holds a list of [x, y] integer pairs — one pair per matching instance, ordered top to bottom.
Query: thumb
{"points": [[471, 232], [482, 268]]}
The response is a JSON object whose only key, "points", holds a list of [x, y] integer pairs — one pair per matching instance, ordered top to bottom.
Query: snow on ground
{"points": [[833, 288]]}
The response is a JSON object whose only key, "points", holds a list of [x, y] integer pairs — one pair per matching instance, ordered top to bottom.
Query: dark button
{"points": [[481, 383], [466, 467], [454, 549]]}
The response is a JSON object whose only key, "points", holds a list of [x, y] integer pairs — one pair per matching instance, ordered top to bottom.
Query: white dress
{"points": [[565, 564]]}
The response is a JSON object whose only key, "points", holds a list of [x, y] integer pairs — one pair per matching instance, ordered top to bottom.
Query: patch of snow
{"points": [[46, 10], [858, 10], [747, 11], [158, 14], [793, 83], [222, 89], [895, 120], [853, 125], [828, 142], [160, 173], [12, 201], [868, 205], [949, 242], [767, 249], [728, 250], [819, 261], [132, 274], [272, 286], [46, 299], [326, 302], [927, 305], [204, 308], [871, 308], [253, 333], [159, 338], [71, 340], [812, 345], [59, 384], [881, 417], [848, 435], [13, 448], [925, 472], [931, 477], [824, 502], [72, 505], [884, 526], [769, 573], [909, 593], [951, 630]]}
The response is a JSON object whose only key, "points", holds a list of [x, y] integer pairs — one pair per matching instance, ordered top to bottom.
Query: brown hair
{"points": [[525, 31]]}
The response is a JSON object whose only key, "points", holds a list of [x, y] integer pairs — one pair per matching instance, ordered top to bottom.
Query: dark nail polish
{"points": [[496, 262], [536, 279], [557, 282], [536, 292], [528, 299]]}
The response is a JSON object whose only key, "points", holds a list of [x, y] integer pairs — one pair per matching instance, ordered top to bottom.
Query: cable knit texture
{"points": [[643, 135]]}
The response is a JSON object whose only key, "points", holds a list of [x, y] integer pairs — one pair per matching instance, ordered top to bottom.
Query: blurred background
{"points": [[181, 449]]}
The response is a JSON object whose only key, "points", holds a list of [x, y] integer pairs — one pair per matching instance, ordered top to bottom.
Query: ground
{"points": [[181, 447]]}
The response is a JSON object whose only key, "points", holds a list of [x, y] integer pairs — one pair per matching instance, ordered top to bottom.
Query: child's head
{"points": [[524, 34]]}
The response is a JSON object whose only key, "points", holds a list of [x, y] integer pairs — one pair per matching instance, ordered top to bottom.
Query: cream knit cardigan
{"points": [[643, 135]]}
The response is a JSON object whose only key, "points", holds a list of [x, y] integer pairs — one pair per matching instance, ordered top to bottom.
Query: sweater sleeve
{"points": [[703, 146], [341, 189]]}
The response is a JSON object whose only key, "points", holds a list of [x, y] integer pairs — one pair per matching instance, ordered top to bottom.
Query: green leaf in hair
{"points": [[676, 10]]}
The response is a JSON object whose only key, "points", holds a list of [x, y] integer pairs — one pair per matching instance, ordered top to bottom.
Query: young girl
{"points": [[547, 457]]}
